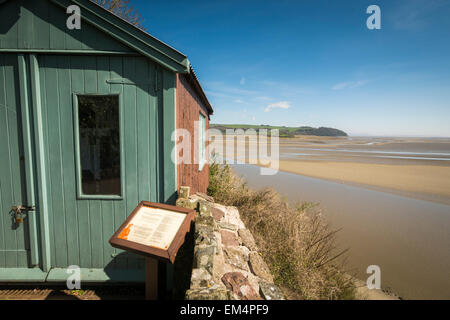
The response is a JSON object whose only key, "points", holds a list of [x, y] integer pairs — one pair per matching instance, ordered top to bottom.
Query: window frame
{"points": [[201, 141], [78, 175]]}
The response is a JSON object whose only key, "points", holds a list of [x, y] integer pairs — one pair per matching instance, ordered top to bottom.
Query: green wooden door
{"points": [[85, 210], [14, 237]]}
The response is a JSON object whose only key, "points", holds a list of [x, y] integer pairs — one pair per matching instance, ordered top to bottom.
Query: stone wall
{"points": [[227, 264]]}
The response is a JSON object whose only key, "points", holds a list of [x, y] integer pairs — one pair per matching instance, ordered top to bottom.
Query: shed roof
{"points": [[133, 37], [136, 39], [190, 70], [192, 77]]}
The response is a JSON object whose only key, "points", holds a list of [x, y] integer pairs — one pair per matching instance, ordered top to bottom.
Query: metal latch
{"points": [[18, 215]]}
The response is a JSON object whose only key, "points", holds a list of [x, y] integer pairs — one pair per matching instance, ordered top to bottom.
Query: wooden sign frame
{"points": [[167, 255]]}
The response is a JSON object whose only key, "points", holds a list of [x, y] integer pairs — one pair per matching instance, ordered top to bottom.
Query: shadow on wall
{"points": [[9, 20]]}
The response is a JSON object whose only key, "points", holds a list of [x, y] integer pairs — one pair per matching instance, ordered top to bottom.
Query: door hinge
{"points": [[23, 208]]}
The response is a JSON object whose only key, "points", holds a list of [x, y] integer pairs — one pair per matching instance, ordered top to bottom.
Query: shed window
{"points": [[202, 142], [99, 145]]}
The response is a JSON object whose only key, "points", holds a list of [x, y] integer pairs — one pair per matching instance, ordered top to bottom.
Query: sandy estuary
{"points": [[390, 196]]}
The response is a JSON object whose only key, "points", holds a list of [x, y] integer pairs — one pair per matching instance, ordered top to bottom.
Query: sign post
{"points": [[155, 231], [151, 278]]}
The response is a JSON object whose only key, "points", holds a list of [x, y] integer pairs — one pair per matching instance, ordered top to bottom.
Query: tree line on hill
{"points": [[287, 132]]}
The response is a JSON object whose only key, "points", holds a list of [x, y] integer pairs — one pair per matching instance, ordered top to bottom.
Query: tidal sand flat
{"points": [[413, 167], [421, 181], [390, 196], [407, 238]]}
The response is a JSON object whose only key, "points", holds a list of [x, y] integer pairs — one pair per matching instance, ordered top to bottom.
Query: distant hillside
{"points": [[286, 131]]}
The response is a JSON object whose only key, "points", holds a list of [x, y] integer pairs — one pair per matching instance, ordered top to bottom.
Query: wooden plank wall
{"points": [[40, 24], [189, 107], [80, 229], [13, 241]]}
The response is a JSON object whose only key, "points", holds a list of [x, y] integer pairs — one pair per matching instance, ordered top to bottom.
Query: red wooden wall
{"points": [[189, 107]]}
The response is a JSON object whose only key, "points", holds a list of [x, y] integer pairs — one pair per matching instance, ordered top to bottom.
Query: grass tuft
{"points": [[295, 241]]}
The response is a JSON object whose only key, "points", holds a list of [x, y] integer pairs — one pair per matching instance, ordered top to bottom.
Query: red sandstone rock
{"points": [[217, 213], [229, 238], [247, 239], [236, 256], [259, 267], [239, 285]]}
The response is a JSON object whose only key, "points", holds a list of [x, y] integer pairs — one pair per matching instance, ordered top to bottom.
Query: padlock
{"points": [[19, 217]]}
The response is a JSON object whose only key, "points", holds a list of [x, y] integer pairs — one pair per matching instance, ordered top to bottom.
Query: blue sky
{"points": [[315, 63]]}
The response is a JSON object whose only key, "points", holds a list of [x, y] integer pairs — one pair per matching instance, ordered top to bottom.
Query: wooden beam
{"points": [[71, 51], [28, 153], [43, 203], [151, 279]]}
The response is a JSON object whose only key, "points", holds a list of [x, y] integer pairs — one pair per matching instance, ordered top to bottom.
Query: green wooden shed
{"points": [[86, 118]]}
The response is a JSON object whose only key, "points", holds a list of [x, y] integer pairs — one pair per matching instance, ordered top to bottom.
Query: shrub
{"points": [[296, 243]]}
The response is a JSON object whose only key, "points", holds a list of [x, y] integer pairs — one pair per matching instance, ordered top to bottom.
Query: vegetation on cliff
{"points": [[285, 132], [294, 241]]}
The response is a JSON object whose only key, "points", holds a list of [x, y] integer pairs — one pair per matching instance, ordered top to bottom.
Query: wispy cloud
{"points": [[415, 15], [242, 82], [349, 85], [239, 101], [281, 105]]}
